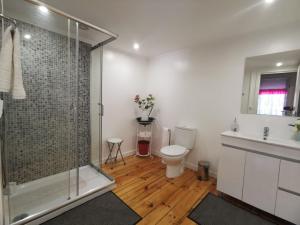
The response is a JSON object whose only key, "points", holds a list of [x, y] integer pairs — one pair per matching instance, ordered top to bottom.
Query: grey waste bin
{"points": [[203, 170]]}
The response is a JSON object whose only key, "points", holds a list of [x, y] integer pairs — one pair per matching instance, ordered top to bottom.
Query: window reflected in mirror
{"points": [[271, 84]]}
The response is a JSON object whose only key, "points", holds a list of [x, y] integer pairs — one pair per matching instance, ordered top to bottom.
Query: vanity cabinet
{"points": [[289, 169], [231, 172], [262, 173], [260, 181], [288, 196], [288, 206]]}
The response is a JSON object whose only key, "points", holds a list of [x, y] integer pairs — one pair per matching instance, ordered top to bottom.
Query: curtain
{"points": [[271, 101]]}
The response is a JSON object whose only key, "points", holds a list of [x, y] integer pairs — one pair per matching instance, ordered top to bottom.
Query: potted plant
{"points": [[145, 105], [296, 125]]}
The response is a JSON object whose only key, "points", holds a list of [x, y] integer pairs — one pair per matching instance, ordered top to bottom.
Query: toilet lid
{"points": [[173, 150]]}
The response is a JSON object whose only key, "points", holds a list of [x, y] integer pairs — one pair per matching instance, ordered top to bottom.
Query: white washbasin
{"points": [[287, 143]]}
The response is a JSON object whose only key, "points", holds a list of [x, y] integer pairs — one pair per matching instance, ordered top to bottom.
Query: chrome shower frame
{"points": [[11, 20], [112, 36], [71, 203]]}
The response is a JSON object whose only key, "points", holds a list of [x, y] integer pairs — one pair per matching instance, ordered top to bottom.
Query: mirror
{"points": [[271, 84]]}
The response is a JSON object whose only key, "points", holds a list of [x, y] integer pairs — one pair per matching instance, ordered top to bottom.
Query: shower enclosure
{"points": [[51, 141]]}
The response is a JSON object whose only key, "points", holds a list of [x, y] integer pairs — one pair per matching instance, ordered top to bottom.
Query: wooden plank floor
{"points": [[142, 184]]}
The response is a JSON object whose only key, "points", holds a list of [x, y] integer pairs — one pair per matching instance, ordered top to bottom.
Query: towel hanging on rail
{"points": [[6, 61], [10, 64], [18, 91]]}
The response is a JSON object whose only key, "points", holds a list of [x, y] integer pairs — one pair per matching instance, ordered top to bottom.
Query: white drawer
{"points": [[289, 176], [288, 207]]}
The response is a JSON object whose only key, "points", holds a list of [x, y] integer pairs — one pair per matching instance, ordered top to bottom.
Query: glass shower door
{"points": [[37, 131], [51, 141], [91, 177]]}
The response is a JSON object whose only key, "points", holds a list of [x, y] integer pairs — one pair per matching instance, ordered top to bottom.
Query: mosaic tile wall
{"points": [[38, 130]]}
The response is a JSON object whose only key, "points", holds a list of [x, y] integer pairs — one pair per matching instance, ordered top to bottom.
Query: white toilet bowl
{"points": [[173, 156]]}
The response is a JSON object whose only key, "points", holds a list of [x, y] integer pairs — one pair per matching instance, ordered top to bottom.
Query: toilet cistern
{"points": [[174, 155]]}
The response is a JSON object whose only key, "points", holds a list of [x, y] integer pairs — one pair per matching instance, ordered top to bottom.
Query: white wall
{"points": [[124, 76], [202, 86]]}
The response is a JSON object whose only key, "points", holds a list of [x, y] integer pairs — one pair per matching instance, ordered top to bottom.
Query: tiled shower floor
{"points": [[49, 192]]}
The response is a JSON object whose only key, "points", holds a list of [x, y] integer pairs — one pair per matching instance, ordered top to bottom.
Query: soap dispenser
{"points": [[235, 126]]}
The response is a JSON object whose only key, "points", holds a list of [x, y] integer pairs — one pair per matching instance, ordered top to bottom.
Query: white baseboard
{"points": [[125, 154], [156, 154], [189, 165], [192, 166]]}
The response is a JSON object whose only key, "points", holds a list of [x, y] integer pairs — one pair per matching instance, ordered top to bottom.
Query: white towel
{"points": [[6, 61], [10, 64], [18, 91]]}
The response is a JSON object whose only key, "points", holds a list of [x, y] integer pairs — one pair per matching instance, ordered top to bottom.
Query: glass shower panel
{"points": [[95, 107], [76, 121], [36, 131], [90, 175]]}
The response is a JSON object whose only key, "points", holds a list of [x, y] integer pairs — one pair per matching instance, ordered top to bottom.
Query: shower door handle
{"points": [[101, 109]]}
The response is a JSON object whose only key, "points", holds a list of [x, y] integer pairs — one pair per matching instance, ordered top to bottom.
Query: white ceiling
{"points": [[165, 25]]}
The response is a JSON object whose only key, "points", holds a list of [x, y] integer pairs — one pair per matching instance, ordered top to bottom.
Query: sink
{"points": [[289, 143], [275, 147]]}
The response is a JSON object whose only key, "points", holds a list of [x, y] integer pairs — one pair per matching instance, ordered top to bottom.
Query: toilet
{"points": [[173, 155]]}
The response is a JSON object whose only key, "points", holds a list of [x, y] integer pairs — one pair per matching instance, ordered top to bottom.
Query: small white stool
{"points": [[111, 142]]}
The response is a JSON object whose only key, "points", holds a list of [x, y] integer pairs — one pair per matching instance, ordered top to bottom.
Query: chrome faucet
{"points": [[266, 132]]}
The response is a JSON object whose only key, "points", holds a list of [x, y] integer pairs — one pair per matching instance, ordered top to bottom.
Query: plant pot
{"points": [[145, 115], [144, 118], [147, 122], [297, 136]]}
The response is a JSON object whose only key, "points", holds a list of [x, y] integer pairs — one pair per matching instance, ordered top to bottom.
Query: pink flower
{"points": [[136, 98]]}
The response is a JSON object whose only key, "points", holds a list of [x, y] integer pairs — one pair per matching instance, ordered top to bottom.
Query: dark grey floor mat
{"points": [[106, 209], [214, 210]]}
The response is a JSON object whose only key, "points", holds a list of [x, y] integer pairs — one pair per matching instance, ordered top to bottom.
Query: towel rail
{"points": [[13, 21]]}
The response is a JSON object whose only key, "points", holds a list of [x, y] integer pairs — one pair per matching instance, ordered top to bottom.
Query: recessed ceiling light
{"points": [[269, 1], [43, 9], [27, 36], [136, 46], [279, 64]]}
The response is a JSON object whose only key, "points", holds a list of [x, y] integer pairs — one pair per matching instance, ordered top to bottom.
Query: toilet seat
{"points": [[173, 150]]}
